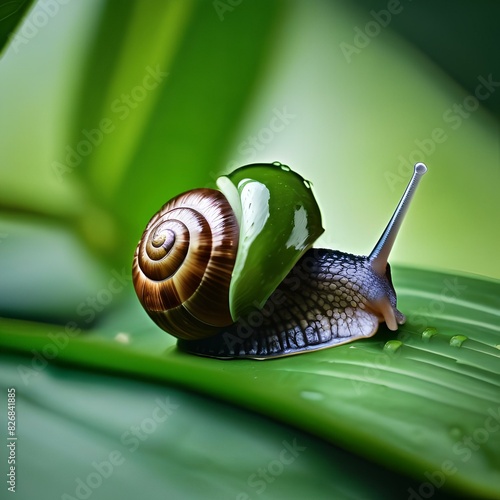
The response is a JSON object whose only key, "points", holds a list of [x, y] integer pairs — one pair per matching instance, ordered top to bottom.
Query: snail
{"points": [[232, 273]]}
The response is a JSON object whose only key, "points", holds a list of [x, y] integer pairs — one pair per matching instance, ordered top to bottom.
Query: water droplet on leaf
{"points": [[428, 333], [123, 338], [457, 340], [391, 346]]}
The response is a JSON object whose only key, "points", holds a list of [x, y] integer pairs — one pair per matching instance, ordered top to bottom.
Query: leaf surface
{"points": [[411, 402]]}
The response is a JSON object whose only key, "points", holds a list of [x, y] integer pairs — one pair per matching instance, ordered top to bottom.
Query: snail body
{"points": [[232, 273]]}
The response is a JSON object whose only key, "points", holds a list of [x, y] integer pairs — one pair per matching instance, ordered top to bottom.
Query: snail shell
{"points": [[187, 252], [232, 274]]}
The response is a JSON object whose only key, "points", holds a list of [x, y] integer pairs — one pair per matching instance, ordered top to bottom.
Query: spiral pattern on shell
{"points": [[184, 261]]}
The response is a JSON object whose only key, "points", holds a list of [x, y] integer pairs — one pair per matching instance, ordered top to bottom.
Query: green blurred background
{"points": [[109, 108], [353, 112]]}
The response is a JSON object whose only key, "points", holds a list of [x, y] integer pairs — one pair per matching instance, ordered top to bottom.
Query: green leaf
{"points": [[11, 14], [411, 403], [170, 442]]}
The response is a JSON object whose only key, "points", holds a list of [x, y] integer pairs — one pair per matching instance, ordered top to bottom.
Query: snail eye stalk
{"points": [[379, 256]]}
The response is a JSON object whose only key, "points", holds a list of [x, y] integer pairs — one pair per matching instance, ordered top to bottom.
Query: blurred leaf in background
{"points": [[11, 13], [109, 108]]}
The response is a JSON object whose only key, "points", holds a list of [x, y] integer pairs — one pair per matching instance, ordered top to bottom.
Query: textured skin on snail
{"points": [[186, 252], [329, 298]]}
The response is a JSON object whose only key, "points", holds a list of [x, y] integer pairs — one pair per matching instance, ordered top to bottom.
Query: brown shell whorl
{"points": [[184, 261]]}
